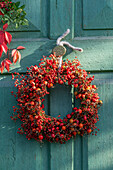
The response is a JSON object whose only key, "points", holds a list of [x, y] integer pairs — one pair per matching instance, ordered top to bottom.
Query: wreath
{"points": [[31, 90]]}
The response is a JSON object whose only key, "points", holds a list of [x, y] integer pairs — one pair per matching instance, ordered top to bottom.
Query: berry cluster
{"points": [[5, 5], [12, 12], [31, 90]]}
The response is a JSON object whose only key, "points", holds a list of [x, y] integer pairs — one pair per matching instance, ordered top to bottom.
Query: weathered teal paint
{"points": [[101, 14], [33, 16], [38, 17], [61, 17], [93, 18], [97, 55], [100, 148], [16, 152], [82, 153], [60, 154]]}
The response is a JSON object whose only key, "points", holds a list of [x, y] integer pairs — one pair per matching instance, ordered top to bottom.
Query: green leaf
{"points": [[17, 4], [14, 6], [22, 7], [2, 11], [10, 11], [24, 12], [6, 16], [0, 17], [6, 19], [26, 21], [8, 22], [17, 25]]}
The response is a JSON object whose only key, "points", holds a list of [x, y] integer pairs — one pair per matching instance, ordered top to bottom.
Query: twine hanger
{"points": [[62, 43], [60, 50]]}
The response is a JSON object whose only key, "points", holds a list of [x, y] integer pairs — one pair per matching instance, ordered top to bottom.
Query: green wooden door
{"points": [[87, 19]]}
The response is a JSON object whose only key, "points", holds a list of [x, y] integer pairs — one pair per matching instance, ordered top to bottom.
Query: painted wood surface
{"points": [[101, 14], [33, 15], [37, 16], [61, 17], [52, 18], [93, 18], [97, 55], [98, 148], [82, 153], [92, 153]]}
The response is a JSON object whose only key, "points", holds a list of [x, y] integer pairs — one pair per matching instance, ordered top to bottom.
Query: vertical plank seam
{"points": [[56, 4], [82, 13], [48, 19], [73, 19], [73, 149], [49, 156], [84, 160]]}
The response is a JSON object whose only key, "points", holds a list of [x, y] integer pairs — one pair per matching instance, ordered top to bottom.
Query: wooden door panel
{"points": [[33, 10], [97, 14], [93, 18], [61, 104], [100, 150], [16, 152], [92, 153]]}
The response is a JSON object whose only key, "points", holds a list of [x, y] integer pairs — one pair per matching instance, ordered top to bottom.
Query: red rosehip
{"points": [[72, 77], [31, 81], [45, 82], [50, 85], [75, 85], [94, 86], [75, 93], [79, 95], [83, 96], [32, 103], [80, 111], [68, 116], [85, 118], [71, 121], [95, 121], [57, 123], [74, 124], [80, 125], [63, 128], [89, 130], [74, 133], [53, 135], [61, 135], [40, 137], [57, 139]]}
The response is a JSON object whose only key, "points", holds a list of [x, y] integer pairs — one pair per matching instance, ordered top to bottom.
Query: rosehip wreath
{"points": [[30, 96]]}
